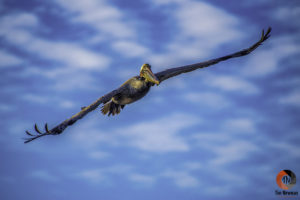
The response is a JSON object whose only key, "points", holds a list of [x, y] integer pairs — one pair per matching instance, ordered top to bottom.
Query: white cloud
{"points": [[165, 2], [287, 13], [99, 15], [20, 20], [202, 20], [111, 23], [18, 29], [201, 30], [130, 49], [69, 54], [7, 59], [266, 61], [260, 63], [125, 73], [66, 78], [179, 83], [231, 84], [35, 98], [43, 99], [291, 99], [212, 100], [66, 104], [240, 125], [89, 135], [149, 135], [155, 136], [214, 138], [225, 145], [289, 149], [232, 151], [98, 155], [193, 165], [119, 168], [103, 174], [44, 175], [93, 175], [142, 178], [182, 179], [223, 186]]}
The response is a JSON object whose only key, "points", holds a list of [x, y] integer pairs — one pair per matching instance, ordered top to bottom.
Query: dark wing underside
{"points": [[164, 75], [68, 122]]}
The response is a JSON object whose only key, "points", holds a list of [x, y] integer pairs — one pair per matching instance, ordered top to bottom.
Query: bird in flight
{"points": [[136, 88]]}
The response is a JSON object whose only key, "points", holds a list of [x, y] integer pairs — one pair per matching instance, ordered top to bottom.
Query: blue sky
{"points": [[222, 132]]}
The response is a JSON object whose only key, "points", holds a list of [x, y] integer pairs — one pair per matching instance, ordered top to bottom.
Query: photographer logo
{"points": [[286, 179]]}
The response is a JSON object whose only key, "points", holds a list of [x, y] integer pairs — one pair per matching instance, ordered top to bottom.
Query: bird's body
{"points": [[137, 87], [134, 89]]}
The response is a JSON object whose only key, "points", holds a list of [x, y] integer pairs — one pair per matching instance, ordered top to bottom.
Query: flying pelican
{"points": [[136, 88]]}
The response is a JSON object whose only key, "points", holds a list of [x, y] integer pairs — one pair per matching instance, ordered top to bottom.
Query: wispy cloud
{"points": [[289, 13], [100, 15], [19, 21], [111, 25], [199, 25], [18, 29], [130, 49], [70, 54], [8, 59], [265, 62], [64, 78], [231, 84], [35, 98], [43, 99], [291, 99], [212, 100], [240, 125], [149, 136], [154, 136], [229, 143], [287, 148], [232, 151], [98, 155], [193, 165], [103, 174], [44, 175], [93, 175], [142, 178], [182, 179], [220, 187]]}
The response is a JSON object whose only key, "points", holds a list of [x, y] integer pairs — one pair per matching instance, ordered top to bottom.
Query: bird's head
{"points": [[147, 73]]}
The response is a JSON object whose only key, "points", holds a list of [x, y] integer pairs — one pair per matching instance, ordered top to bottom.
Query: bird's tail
{"points": [[111, 108]]}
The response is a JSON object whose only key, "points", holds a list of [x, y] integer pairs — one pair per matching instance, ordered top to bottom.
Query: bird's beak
{"points": [[151, 77]]}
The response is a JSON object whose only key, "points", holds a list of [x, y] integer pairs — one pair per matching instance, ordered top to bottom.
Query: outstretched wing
{"points": [[164, 75], [161, 76], [68, 122]]}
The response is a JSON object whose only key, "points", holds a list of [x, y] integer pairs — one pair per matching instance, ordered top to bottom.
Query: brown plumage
{"points": [[136, 88]]}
